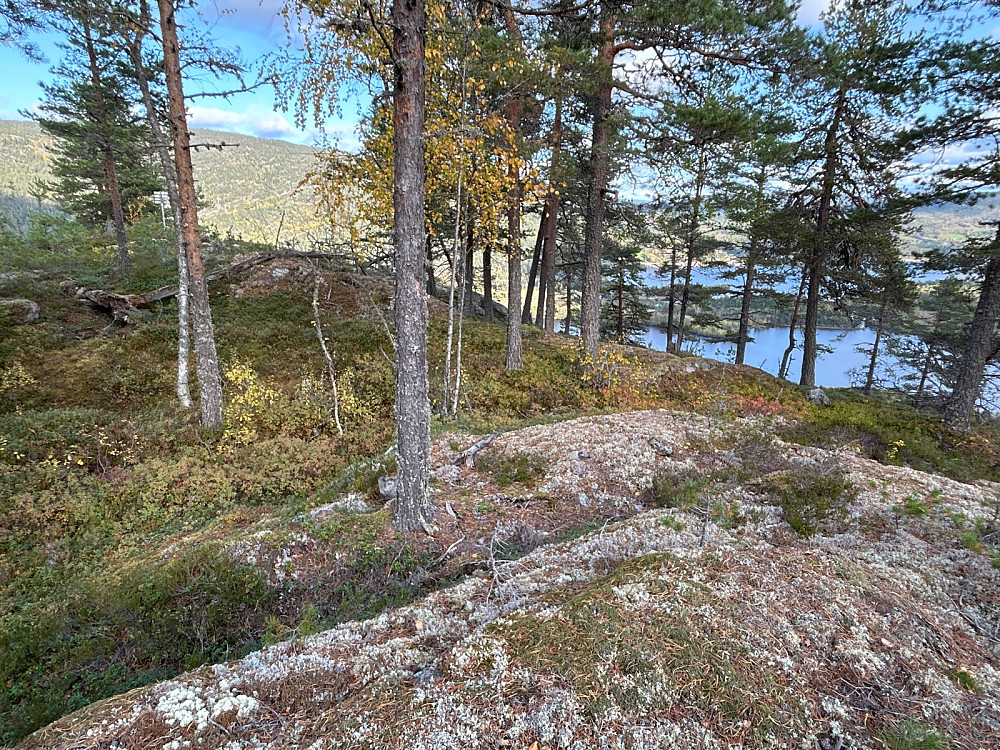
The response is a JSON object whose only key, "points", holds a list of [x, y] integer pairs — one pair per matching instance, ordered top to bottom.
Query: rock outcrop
{"points": [[710, 625]]}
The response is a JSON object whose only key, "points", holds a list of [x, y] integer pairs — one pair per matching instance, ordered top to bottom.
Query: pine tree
{"points": [[964, 75], [855, 87], [102, 153], [624, 315]]}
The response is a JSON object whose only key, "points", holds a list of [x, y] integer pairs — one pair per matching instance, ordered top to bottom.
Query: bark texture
{"points": [[513, 111], [600, 163], [110, 168], [170, 180], [819, 252], [548, 309], [978, 348], [206, 358], [412, 509]]}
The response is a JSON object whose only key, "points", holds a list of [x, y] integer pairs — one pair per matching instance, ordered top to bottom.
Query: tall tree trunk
{"points": [[513, 110], [107, 149], [600, 163], [170, 180], [690, 243], [470, 248], [536, 257], [456, 259], [429, 262], [488, 282], [673, 296], [569, 301], [547, 307], [620, 318], [743, 335], [809, 349], [786, 357], [206, 358], [924, 372], [870, 377], [958, 413], [413, 509]]}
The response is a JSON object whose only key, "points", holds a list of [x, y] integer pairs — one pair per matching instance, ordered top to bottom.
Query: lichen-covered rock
{"points": [[19, 311], [818, 396], [713, 625]]}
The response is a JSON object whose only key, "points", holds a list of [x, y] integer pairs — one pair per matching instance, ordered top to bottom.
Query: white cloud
{"points": [[254, 120], [257, 120]]}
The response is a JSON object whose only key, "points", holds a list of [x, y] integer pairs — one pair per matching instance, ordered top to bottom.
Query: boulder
{"points": [[19, 311], [818, 396]]}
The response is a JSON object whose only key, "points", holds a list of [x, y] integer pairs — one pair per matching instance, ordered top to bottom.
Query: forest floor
{"points": [[664, 552]]}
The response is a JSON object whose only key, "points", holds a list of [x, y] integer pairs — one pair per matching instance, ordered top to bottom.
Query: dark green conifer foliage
{"points": [[103, 163], [624, 315]]}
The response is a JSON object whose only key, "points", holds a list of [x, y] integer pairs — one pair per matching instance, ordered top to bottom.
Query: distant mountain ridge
{"points": [[248, 186], [251, 187]]}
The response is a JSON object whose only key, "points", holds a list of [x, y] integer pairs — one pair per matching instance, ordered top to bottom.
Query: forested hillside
{"points": [[247, 187]]}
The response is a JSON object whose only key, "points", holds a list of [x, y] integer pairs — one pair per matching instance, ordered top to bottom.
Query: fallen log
{"points": [[120, 306], [468, 456]]}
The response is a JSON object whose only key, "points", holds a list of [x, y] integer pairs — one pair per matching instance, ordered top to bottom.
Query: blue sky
{"points": [[251, 26], [256, 29]]}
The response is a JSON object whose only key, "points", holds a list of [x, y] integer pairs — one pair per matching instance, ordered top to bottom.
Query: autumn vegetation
{"points": [[541, 155]]}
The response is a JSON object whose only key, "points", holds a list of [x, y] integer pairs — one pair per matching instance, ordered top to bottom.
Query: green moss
{"points": [[895, 433], [518, 468], [814, 500], [620, 653], [964, 679], [911, 735]]}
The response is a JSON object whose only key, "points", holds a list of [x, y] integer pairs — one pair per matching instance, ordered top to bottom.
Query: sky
{"points": [[251, 26], [256, 29]]}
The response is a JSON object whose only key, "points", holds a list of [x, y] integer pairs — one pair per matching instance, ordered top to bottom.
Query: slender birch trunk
{"points": [[206, 358]]}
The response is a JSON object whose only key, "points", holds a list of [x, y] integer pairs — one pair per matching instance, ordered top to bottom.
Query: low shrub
{"points": [[814, 499]]}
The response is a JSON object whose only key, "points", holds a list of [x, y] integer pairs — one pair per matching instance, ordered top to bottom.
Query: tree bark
{"points": [[513, 110], [600, 162], [110, 168], [170, 181], [689, 243], [470, 248], [533, 274], [431, 281], [488, 282], [569, 300], [672, 301], [547, 307], [743, 335], [809, 349], [206, 358], [783, 370], [924, 372], [870, 377], [958, 413], [412, 509]]}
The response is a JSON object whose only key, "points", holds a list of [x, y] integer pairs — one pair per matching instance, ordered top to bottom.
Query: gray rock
{"points": [[19, 311], [818, 396], [661, 448], [387, 487], [428, 674]]}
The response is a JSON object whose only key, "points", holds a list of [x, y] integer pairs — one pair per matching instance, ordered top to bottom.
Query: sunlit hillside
{"points": [[247, 185]]}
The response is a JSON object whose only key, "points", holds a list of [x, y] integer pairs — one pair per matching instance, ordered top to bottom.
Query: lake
{"points": [[710, 277], [833, 369]]}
